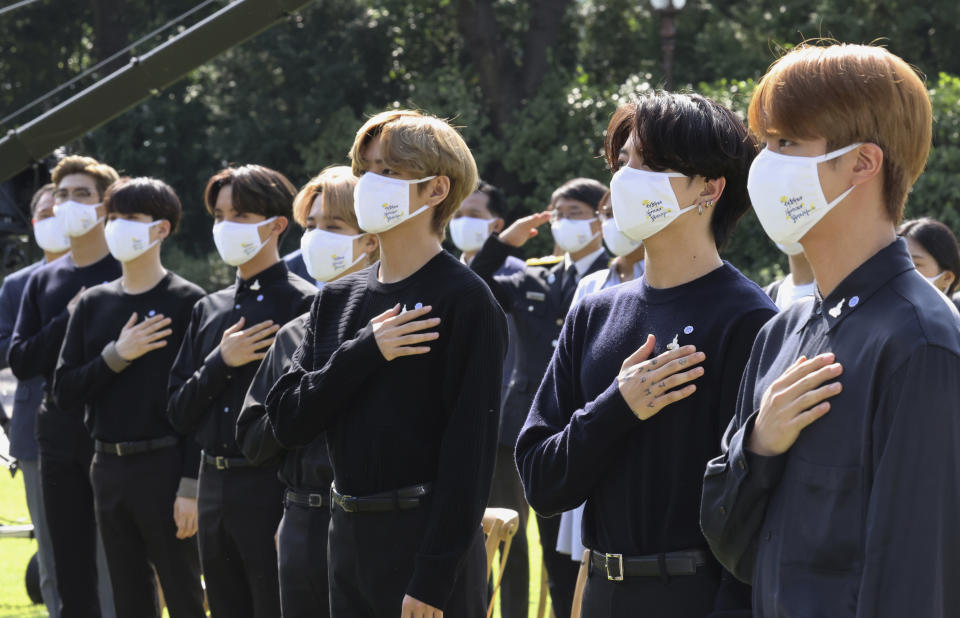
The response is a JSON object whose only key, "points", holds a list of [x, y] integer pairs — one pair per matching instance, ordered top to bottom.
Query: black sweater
{"points": [[38, 335], [125, 402], [416, 419], [306, 468], [641, 480]]}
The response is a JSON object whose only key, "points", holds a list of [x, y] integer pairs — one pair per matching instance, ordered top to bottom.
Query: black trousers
{"points": [[506, 491], [134, 498], [68, 503], [240, 510], [302, 540], [371, 558], [561, 570], [681, 596]]}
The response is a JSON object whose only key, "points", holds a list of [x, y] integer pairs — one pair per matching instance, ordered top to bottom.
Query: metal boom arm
{"points": [[142, 77]]}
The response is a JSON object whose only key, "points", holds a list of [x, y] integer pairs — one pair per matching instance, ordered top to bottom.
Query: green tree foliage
{"points": [[532, 84]]}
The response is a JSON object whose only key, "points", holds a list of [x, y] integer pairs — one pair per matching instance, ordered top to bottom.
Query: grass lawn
{"points": [[15, 553]]}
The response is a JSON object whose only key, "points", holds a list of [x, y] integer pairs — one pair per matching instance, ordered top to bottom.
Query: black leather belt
{"points": [[135, 448], [226, 463], [303, 498], [397, 500], [616, 566]]}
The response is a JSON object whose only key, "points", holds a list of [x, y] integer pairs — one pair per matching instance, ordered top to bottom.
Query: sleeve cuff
{"points": [[367, 349], [112, 358], [216, 367], [610, 412], [765, 472], [187, 488], [433, 579]]}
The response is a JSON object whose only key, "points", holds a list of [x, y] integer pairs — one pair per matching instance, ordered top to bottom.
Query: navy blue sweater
{"points": [[641, 480]]}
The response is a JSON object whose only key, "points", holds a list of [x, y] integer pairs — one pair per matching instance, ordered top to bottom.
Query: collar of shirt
{"points": [[583, 264], [273, 274], [857, 288]]}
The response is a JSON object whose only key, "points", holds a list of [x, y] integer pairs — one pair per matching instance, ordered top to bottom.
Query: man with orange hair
{"points": [[401, 366], [838, 492]]}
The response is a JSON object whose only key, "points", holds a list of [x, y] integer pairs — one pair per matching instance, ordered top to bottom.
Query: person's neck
{"points": [[594, 246], [89, 248], [406, 248], [834, 250], [50, 256], [468, 256], [679, 256], [267, 257], [625, 264], [800, 271], [143, 273]]}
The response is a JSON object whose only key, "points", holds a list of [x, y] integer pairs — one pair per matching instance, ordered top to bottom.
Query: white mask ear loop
{"points": [[829, 157]]}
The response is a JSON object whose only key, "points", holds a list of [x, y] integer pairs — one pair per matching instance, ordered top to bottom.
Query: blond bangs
{"points": [[848, 94], [421, 145], [336, 184]]}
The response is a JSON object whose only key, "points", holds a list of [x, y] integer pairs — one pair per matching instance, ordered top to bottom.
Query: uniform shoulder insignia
{"points": [[547, 260]]}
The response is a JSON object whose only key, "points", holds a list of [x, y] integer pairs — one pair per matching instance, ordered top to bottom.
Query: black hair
{"points": [[695, 136], [256, 190], [586, 190], [148, 196], [496, 201], [938, 240]]}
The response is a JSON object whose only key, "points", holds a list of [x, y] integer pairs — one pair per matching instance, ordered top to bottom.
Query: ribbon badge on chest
{"points": [[675, 344]]}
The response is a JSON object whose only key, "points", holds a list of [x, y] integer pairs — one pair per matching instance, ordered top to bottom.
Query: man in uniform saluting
{"points": [[538, 298]]}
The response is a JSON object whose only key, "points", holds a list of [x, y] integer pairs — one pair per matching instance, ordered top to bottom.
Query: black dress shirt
{"points": [[35, 344], [205, 394], [124, 401], [428, 418], [306, 468], [860, 516]]}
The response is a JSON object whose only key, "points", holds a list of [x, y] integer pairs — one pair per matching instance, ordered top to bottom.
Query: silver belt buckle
{"points": [[221, 463], [314, 500], [618, 560]]}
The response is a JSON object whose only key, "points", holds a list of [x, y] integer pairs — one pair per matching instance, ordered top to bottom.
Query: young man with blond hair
{"points": [[333, 247], [401, 366], [65, 446], [838, 492]]}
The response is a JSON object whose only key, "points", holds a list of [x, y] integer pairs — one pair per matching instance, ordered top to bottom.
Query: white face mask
{"points": [[787, 195], [644, 202], [382, 203], [78, 219], [469, 233], [50, 235], [572, 235], [128, 240], [617, 242], [237, 243], [792, 248], [327, 255], [933, 279]]}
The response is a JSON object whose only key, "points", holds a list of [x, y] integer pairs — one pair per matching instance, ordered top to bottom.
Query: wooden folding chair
{"points": [[500, 525], [581, 584]]}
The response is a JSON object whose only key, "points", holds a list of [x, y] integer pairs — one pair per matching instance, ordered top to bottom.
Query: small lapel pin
{"points": [[552, 278], [256, 285], [854, 302], [418, 306], [835, 311], [687, 330], [673, 345]]}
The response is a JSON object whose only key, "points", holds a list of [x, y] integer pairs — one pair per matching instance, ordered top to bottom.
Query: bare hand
{"points": [[523, 229], [76, 299], [397, 334], [135, 340], [239, 347], [645, 384], [793, 401], [185, 516], [413, 608]]}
